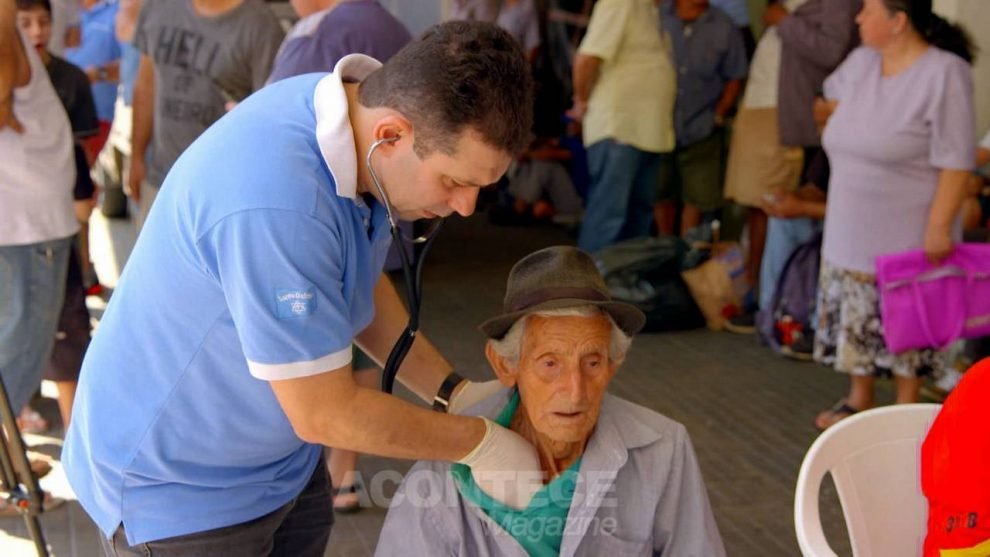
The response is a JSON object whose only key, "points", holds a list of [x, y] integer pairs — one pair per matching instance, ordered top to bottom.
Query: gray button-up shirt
{"points": [[815, 38], [708, 53], [640, 492]]}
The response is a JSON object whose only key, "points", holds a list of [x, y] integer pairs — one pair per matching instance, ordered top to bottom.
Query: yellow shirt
{"points": [[633, 100]]}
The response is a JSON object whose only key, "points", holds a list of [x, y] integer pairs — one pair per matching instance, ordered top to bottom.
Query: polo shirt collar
{"points": [[334, 133]]}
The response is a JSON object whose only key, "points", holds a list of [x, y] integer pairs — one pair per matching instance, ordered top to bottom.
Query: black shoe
{"points": [[742, 324], [801, 349]]}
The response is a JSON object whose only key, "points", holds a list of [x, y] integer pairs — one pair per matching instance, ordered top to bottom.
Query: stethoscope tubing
{"points": [[413, 280]]}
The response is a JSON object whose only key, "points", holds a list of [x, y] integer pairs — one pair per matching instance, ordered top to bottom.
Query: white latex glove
{"points": [[472, 393], [505, 466]]}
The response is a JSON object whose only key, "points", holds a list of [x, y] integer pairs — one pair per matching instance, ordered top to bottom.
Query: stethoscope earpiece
{"points": [[392, 218]]}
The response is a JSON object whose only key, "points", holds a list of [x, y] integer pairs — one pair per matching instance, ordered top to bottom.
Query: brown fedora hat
{"points": [[554, 278]]}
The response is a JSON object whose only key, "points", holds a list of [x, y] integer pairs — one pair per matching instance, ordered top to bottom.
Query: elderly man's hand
{"points": [[470, 393], [505, 466]]}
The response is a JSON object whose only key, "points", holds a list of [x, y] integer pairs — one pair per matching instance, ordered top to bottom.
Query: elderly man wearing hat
{"points": [[619, 479]]}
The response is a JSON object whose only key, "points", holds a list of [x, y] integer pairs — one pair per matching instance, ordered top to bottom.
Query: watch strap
{"points": [[441, 402]]}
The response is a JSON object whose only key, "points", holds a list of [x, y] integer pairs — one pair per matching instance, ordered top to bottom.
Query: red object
{"points": [[93, 145], [730, 310], [789, 329], [955, 466]]}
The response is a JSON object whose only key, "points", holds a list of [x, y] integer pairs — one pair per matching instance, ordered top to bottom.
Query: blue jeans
{"points": [[623, 188], [783, 237], [32, 286], [300, 528]]}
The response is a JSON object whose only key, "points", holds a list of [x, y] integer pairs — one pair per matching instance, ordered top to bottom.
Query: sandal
{"points": [[838, 412], [48, 503], [348, 508]]}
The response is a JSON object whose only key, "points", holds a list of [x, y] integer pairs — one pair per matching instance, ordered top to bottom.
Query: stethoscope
{"points": [[413, 280]]}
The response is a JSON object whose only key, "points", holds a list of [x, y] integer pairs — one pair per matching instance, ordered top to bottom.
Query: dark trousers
{"points": [[300, 528]]}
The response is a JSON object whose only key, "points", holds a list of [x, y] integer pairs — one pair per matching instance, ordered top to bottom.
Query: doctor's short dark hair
{"points": [[458, 75]]}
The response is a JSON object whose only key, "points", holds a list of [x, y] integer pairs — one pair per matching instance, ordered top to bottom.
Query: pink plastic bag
{"points": [[931, 306]]}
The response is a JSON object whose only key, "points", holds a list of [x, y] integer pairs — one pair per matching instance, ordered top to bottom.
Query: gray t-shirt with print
{"points": [[200, 64]]}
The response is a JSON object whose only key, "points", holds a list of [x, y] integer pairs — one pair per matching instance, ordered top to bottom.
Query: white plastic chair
{"points": [[873, 457]]}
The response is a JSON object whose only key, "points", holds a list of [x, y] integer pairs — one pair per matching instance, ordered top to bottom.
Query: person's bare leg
{"points": [[664, 213], [690, 218], [757, 238], [908, 389], [861, 392], [66, 394], [860, 397], [342, 463]]}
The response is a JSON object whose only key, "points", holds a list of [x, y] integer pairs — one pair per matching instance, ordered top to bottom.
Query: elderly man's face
{"points": [[562, 374]]}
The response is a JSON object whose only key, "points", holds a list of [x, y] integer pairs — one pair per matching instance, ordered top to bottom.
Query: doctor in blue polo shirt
{"points": [[222, 363]]}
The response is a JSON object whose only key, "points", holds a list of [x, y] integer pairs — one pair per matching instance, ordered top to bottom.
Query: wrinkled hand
{"points": [[7, 117], [135, 176], [783, 205], [938, 243], [471, 393], [505, 466]]}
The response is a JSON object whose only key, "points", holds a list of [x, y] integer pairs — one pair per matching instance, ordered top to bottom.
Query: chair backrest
{"points": [[873, 457]]}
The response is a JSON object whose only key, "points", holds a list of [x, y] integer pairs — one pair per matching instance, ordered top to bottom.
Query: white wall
{"points": [[974, 16]]}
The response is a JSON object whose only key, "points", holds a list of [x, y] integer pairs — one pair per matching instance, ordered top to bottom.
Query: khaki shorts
{"points": [[758, 163]]}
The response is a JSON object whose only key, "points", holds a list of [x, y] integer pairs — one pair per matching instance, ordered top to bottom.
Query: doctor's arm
{"points": [[424, 369], [331, 409]]}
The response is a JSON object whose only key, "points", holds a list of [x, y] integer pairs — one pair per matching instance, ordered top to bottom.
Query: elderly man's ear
{"points": [[507, 374]]}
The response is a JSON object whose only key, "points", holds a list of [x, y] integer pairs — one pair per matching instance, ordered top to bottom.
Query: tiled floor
{"points": [[749, 412]]}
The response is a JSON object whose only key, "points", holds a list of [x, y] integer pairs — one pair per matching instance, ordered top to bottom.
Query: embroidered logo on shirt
{"points": [[293, 303]]}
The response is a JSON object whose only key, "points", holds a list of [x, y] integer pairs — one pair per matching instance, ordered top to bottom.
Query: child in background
{"points": [[34, 17]]}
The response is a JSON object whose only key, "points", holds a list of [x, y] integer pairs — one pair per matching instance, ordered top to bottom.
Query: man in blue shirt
{"points": [[98, 54], [711, 65], [223, 361]]}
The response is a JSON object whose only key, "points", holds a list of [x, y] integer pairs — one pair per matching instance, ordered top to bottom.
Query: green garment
{"points": [[539, 527]]}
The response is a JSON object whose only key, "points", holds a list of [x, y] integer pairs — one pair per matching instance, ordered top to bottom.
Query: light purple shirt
{"points": [[887, 142]]}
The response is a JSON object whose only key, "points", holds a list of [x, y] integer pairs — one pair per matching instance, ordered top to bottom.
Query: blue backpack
{"points": [[794, 299]]}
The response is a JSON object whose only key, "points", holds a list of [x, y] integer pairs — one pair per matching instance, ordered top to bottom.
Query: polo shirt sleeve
{"points": [[606, 29], [952, 116], [282, 279]]}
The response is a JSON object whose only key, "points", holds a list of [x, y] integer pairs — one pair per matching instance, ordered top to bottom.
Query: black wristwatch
{"points": [[441, 402]]}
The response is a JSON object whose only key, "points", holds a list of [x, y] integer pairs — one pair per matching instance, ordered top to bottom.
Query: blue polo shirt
{"points": [[99, 47], [257, 263]]}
